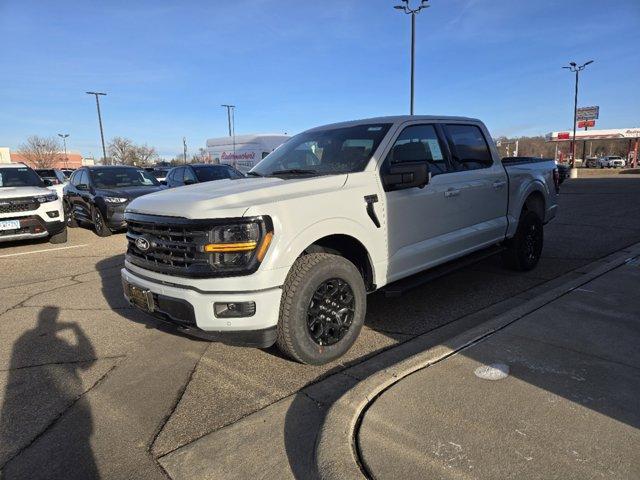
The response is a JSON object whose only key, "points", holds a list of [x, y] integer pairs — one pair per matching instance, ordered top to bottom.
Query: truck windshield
{"points": [[324, 152], [19, 177], [122, 178]]}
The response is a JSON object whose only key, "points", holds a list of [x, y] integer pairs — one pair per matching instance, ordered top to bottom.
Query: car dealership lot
{"points": [[82, 375]]}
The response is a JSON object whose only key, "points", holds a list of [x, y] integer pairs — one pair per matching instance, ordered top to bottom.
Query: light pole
{"points": [[413, 12], [574, 67], [231, 119], [64, 136], [184, 148], [104, 150]]}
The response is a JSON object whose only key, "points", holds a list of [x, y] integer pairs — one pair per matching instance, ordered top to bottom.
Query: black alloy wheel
{"points": [[98, 222], [532, 243], [330, 312]]}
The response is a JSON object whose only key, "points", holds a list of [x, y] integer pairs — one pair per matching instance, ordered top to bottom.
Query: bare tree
{"points": [[122, 151], [41, 152], [145, 155], [201, 157]]}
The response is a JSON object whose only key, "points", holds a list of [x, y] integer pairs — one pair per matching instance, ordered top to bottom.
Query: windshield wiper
{"points": [[294, 171], [255, 174]]}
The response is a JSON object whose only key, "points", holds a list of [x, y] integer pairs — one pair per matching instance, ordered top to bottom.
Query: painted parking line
{"points": [[42, 251]]}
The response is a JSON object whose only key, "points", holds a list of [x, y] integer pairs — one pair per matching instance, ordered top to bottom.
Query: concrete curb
{"points": [[336, 455]]}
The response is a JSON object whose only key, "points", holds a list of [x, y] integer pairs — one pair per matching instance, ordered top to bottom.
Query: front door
{"points": [[420, 221]]}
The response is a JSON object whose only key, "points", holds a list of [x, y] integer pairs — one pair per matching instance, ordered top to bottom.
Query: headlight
{"points": [[52, 197], [115, 199], [239, 246]]}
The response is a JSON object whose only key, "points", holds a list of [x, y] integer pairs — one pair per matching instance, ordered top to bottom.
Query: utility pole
{"points": [[413, 12], [574, 67], [231, 119], [64, 136], [184, 148], [104, 150]]}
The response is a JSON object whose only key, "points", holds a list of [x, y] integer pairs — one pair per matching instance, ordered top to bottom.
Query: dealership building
{"points": [[71, 160]]}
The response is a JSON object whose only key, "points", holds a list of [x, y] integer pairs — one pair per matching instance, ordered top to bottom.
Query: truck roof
{"points": [[395, 119]]}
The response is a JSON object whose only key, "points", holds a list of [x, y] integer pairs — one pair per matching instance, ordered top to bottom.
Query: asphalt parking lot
{"points": [[85, 377]]}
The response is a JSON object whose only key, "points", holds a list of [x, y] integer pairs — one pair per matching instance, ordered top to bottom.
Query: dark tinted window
{"points": [[419, 143], [471, 149], [215, 172], [46, 173], [189, 176], [19, 177], [83, 178], [121, 178]]}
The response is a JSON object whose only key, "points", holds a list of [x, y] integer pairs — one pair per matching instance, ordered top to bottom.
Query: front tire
{"points": [[68, 215], [99, 223], [59, 237], [525, 248], [322, 309]]}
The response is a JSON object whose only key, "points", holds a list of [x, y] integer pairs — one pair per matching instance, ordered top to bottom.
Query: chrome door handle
{"points": [[499, 183], [452, 192]]}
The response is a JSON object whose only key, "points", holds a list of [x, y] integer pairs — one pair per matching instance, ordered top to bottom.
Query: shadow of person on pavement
{"points": [[44, 376]]}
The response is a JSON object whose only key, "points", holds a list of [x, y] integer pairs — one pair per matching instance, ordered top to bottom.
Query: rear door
{"points": [[480, 187]]}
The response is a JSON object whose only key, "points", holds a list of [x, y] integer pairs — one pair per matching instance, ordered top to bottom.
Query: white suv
{"points": [[611, 162], [28, 209]]}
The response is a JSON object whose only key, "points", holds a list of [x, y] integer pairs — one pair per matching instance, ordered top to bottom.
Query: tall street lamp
{"points": [[413, 12], [574, 67], [231, 119], [64, 136], [104, 150]]}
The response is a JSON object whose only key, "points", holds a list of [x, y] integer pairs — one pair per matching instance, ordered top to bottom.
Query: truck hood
{"points": [[19, 192], [231, 198]]}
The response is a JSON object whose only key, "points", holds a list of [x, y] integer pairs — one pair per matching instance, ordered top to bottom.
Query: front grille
{"points": [[16, 205], [174, 248]]}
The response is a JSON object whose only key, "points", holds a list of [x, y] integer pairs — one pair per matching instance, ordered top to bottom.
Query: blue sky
{"points": [[289, 65]]}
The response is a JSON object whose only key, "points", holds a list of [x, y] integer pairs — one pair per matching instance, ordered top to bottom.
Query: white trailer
{"points": [[243, 151]]}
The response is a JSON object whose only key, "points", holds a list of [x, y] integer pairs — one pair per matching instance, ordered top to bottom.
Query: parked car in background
{"points": [[611, 161], [591, 162], [159, 172], [564, 172], [199, 173], [56, 178], [98, 195], [28, 209], [288, 254]]}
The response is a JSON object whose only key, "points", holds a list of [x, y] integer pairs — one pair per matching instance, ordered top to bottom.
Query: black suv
{"points": [[200, 172], [99, 195]]}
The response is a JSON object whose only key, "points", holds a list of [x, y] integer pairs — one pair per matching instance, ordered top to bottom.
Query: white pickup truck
{"points": [[288, 254]]}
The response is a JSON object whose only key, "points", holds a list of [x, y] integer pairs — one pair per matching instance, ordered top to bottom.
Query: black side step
{"points": [[399, 287]]}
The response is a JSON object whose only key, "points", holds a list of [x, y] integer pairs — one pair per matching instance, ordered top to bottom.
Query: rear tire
{"points": [[99, 224], [59, 237], [524, 249], [322, 309]]}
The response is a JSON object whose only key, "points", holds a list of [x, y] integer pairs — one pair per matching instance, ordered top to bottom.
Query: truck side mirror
{"points": [[406, 175]]}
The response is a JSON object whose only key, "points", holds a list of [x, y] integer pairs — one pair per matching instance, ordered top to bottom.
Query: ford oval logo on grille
{"points": [[142, 244]]}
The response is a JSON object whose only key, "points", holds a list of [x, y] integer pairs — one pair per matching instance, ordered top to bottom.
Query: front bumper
{"points": [[114, 216], [31, 227], [190, 310]]}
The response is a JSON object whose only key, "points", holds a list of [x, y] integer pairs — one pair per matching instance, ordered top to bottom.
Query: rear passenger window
{"points": [[418, 143], [470, 146]]}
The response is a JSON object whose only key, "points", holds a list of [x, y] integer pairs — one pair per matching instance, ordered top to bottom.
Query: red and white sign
{"points": [[586, 123]]}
